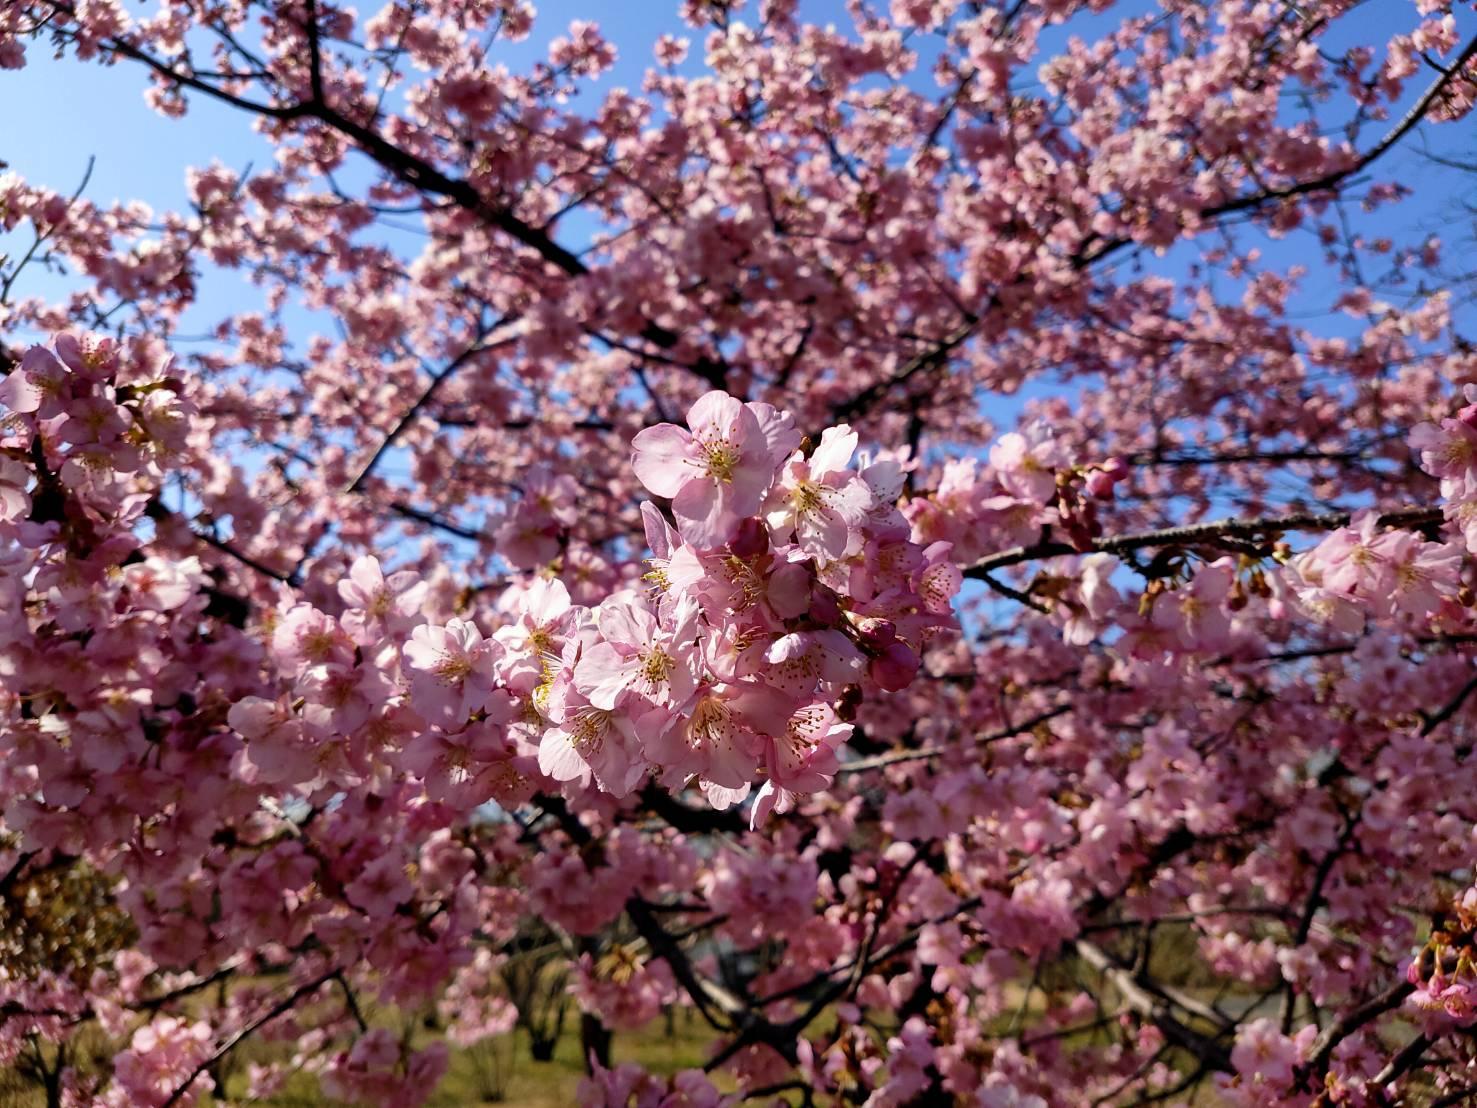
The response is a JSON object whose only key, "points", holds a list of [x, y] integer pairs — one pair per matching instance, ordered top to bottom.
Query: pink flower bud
{"points": [[54, 210], [1102, 478], [1100, 484], [750, 539], [789, 590], [824, 608], [877, 633], [895, 667]]}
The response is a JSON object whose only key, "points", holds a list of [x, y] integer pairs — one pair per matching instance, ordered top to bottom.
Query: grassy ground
{"points": [[497, 1071], [501, 1071]]}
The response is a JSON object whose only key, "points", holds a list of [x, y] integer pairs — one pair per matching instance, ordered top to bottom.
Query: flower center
{"points": [[721, 458], [806, 499], [1409, 575], [744, 577], [318, 645], [656, 664], [452, 669], [710, 724], [805, 727], [587, 735]]}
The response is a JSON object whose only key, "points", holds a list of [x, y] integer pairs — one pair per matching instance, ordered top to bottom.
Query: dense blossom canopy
{"points": [[643, 571]]}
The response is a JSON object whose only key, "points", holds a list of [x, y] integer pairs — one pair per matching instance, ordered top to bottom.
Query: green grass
{"points": [[501, 1071], [475, 1076]]}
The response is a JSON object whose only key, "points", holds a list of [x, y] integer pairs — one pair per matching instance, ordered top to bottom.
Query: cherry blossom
{"points": [[715, 471], [932, 546]]}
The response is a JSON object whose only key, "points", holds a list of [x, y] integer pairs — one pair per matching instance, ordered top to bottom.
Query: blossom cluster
{"points": [[80, 422], [1448, 451], [1030, 482], [1369, 571], [790, 582], [789, 589], [1444, 972], [163, 1056], [380, 1069], [630, 1086]]}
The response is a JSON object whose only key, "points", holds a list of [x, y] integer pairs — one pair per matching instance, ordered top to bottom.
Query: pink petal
{"points": [[19, 393], [718, 412], [659, 457], [704, 515], [603, 674], [558, 759]]}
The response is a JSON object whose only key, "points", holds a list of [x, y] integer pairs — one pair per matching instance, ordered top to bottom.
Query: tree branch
{"points": [[1197, 533]]}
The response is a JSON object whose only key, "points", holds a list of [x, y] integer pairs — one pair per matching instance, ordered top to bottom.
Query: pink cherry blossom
{"points": [[1025, 463], [715, 472], [819, 500], [15, 502], [379, 604], [638, 654], [450, 671]]}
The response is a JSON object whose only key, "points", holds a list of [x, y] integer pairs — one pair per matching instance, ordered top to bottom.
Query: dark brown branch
{"points": [[315, 52], [1408, 122], [423, 176], [41, 239], [1105, 248], [478, 346], [935, 356], [1156, 458], [156, 511], [437, 522], [1209, 533], [1010, 591], [1432, 722], [898, 757], [1310, 912], [282, 1007], [1157, 1009], [722, 1010], [1323, 1048], [1405, 1060]]}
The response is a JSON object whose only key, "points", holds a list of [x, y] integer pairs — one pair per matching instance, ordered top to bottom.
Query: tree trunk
{"points": [[594, 1040]]}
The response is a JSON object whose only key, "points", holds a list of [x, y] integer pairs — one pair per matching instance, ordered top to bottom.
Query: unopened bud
{"points": [[1100, 485], [750, 539], [789, 590], [1238, 598], [824, 608], [877, 633], [895, 667]]}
